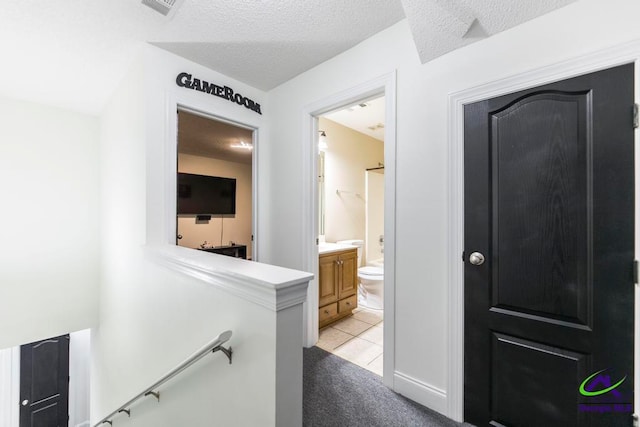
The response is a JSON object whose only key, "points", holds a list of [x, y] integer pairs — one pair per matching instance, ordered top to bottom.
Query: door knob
{"points": [[476, 258], [25, 402]]}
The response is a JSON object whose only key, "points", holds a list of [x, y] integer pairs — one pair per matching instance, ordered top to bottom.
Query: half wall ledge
{"points": [[270, 286]]}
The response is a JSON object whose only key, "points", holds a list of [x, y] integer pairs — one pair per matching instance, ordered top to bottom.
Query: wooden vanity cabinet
{"points": [[337, 285]]}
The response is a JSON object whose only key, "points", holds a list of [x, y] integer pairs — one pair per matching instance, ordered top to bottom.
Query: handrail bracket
{"points": [[227, 352], [155, 394]]}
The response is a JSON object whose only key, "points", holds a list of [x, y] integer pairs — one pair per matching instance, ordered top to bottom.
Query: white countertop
{"points": [[326, 248]]}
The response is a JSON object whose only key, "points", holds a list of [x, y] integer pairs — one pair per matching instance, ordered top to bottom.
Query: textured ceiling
{"points": [[441, 26], [265, 43], [70, 53], [73, 53], [366, 118], [210, 138]]}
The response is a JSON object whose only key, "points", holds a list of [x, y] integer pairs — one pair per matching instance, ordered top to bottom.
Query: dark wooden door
{"points": [[549, 202], [44, 383]]}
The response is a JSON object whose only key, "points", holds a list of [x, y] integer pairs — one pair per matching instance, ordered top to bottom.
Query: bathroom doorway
{"points": [[351, 232]]}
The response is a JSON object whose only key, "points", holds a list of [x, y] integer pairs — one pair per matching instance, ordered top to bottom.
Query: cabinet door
{"points": [[349, 266], [328, 279]]}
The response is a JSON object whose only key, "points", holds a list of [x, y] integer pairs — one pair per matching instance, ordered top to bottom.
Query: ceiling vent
{"points": [[162, 6], [358, 106]]}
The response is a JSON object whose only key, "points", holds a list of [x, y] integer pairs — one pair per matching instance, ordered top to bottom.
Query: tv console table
{"points": [[236, 251]]}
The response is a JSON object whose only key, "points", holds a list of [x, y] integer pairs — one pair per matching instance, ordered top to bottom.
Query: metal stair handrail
{"points": [[211, 347]]}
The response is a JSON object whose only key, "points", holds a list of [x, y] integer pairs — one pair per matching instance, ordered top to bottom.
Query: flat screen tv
{"points": [[201, 194]]}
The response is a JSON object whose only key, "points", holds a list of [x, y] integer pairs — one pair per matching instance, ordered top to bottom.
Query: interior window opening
{"points": [[214, 186]]}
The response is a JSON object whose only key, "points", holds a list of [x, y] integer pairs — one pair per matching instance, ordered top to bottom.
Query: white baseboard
{"points": [[423, 393], [84, 424]]}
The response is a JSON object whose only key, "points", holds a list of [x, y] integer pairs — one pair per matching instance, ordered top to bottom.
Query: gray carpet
{"points": [[339, 393]]}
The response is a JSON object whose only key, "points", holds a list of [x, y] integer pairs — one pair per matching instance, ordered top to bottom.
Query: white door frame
{"points": [[607, 58], [384, 85], [183, 104], [79, 356], [10, 387]]}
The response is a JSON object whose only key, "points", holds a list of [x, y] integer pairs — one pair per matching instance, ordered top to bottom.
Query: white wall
{"points": [[348, 155], [421, 194], [50, 215], [236, 228], [151, 318]]}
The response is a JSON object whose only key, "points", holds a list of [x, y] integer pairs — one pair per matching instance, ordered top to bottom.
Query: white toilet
{"points": [[371, 279]]}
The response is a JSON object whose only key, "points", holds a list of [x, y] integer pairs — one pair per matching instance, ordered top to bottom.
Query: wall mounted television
{"points": [[201, 194]]}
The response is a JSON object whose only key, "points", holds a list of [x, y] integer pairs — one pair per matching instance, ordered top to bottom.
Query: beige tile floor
{"points": [[356, 338]]}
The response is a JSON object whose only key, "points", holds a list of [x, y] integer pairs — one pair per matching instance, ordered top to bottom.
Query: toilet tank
{"points": [[354, 242]]}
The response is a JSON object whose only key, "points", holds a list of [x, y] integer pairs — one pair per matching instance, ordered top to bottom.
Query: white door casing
{"points": [[382, 86]]}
